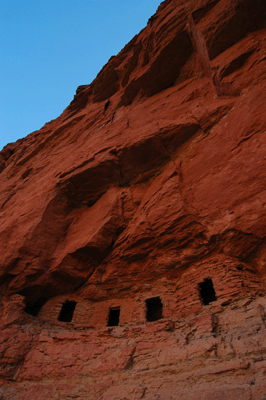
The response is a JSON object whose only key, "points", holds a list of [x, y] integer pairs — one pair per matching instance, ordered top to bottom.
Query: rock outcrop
{"points": [[133, 251]]}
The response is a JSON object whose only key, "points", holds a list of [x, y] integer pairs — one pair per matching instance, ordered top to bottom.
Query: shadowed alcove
{"points": [[33, 309]]}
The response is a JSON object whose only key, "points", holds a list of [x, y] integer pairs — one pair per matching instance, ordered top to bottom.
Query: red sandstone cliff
{"points": [[143, 207]]}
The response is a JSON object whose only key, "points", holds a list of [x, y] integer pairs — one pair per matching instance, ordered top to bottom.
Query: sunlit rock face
{"points": [[133, 226]]}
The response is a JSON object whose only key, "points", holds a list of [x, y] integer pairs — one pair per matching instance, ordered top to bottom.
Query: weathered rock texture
{"points": [[151, 184]]}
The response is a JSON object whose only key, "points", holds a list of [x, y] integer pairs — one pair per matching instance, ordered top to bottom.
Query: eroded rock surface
{"points": [[147, 192]]}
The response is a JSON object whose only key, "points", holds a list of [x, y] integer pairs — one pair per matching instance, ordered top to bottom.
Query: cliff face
{"points": [[133, 252]]}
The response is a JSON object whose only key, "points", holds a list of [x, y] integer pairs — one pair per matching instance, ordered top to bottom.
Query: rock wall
{"points": [[133, 226]]}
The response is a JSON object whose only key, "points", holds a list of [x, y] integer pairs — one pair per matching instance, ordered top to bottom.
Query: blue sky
{"points": [[48, 48]]}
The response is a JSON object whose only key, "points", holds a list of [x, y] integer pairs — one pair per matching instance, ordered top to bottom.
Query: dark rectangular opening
{"points": [[207, 292], [154, 309], [67, 311], [113, 317]]}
